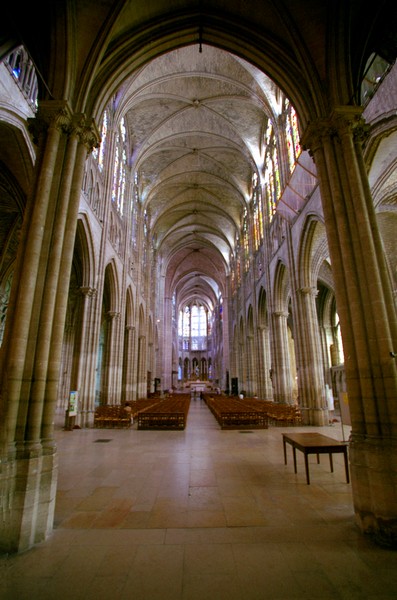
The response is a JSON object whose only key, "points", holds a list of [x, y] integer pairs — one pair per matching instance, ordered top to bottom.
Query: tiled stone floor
{"points": [[202, 514]]}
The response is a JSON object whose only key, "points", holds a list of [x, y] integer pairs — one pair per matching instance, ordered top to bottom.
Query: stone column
{"points": [[367, 316], [34, 331], [224, 344], [167, 345], [85, 361], [242, 366], [141, 371], [281, 371], [111, 372], [252, 383], [311, 383], [265, 389], [128, 392]]}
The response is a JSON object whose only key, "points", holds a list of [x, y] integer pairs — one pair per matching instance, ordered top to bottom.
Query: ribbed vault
{"points": [[195, 122]]}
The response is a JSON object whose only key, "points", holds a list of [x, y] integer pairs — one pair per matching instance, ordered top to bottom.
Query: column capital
{"points": [[50, 113], [58, 114], [343, 120], [87, 131], [87, 291], [312, 291], [280, 313], [112, 314]]}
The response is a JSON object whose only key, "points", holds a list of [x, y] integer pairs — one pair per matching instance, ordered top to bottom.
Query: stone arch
{"points": [[227, 34], [258, 37], [16, 138], [13, 208], [387, 223], [84, 248], [311, 252], [281, 288], [111, 289], [315, 290], [80, 296], [129, 308], [262, 308], [108, 327], [281, 336], [150, 354], [241, 355], [234, 362], [141, 375], [127, 386], [251, 386], [265, 389]]}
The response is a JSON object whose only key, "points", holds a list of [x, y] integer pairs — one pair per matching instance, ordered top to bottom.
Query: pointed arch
{"points": [[84, 251], [312, 252], [281, 287], [111, 288], [129, 308], [262, 308]]}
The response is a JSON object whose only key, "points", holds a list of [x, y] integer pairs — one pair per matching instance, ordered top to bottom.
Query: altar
{"points": [[198, 386]]}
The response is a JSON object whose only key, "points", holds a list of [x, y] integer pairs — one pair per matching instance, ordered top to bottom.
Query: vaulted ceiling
{"points": [[196, 118], [196, 121]]}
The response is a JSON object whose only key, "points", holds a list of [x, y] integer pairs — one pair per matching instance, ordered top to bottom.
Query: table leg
{"points": [[285, 451], [294, 454], [331, 463], [346, 466], [307, 469]]}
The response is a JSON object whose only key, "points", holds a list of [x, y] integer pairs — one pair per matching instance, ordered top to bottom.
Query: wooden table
{"points": [[315, 443]]}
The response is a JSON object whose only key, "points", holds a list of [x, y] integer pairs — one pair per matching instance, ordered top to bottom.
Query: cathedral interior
{"points": [[197, 197]]}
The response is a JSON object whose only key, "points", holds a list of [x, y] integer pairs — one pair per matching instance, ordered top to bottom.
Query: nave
{"points": [[199, 513]]}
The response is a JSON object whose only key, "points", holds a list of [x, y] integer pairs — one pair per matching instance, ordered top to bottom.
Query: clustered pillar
{"points": [[367, 315], [36, 322]]}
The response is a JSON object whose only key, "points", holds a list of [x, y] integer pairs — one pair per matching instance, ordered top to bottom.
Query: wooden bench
{"points": [[170, 413], [234, 414], [282, 415], [112, 416]]}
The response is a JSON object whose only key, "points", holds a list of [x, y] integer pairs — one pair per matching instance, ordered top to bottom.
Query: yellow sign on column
{"points": [[73, 399]]}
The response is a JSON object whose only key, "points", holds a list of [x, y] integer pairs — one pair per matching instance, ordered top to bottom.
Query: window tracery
{"points": [[22, 69], [291, 134], [99, 153], [119, 171], [271, 171], [257, 216], [245, 236]]}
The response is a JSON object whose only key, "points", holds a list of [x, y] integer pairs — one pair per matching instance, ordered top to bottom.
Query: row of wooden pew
{"points": [[170, 413], [232, 413], [282, 415], [112, 417]]}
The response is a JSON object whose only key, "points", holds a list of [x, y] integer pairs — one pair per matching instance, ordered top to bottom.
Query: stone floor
{"points": [[202, 514]]}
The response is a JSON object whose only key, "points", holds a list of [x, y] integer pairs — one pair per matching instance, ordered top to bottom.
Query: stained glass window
{"points": [[292, 135], [99, 153], [271, 170], [119, 173], [134, 211], [258, 217], [246, 240], [237, 262], [4, 298], [193, 327]]}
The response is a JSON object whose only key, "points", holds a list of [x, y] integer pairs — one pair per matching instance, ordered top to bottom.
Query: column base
{"points": [[318, 417], [374, 485], [28, 489], [383, 533]]}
